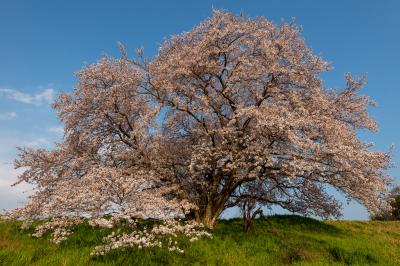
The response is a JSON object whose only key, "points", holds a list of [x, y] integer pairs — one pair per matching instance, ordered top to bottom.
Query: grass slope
{"points": [[283, 240]]}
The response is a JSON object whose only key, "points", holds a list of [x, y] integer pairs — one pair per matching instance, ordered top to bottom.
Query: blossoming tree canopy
{"points": [[232, 109]]}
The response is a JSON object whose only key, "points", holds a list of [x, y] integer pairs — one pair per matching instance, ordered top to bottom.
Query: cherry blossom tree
{"points": [[245, 103], [232, 110]]}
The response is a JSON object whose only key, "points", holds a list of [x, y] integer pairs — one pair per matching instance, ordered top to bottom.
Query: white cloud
{"points": [[46, 96], [8, 115], [56, 129], [37, 143], [9, 144], [8, 175], [12, 196]]}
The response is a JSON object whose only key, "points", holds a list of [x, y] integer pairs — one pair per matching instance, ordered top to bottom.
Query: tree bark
{"points": [[208, 215]]}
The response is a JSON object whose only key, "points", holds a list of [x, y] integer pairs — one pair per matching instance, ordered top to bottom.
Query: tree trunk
{"points": [[211, 207], [208, 215], [246, 223]]}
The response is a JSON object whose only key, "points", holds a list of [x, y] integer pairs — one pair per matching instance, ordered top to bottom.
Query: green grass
{"points": [[284, 240]]}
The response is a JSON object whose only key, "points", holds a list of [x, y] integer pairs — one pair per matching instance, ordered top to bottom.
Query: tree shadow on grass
{"points": [[289, 222], [304, 223], [298, 238]]}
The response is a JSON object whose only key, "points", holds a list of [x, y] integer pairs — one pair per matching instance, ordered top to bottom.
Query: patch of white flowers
{"points": [[59, 226], [169, 229], [164, 234]]}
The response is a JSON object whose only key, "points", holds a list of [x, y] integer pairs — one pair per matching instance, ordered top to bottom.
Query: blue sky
{"points": [[44, 42]]}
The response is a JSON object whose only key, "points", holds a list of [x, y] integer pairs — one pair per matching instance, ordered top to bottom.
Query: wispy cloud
{"points": [[45, 96], [8, 115], [56, 129], [37, 143]]}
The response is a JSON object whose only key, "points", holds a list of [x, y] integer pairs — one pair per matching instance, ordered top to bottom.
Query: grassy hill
{"points": [[283, 240]]}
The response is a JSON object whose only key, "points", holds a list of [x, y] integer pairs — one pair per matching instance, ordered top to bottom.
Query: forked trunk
{"points": [[208, 216], [209, 220]]}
